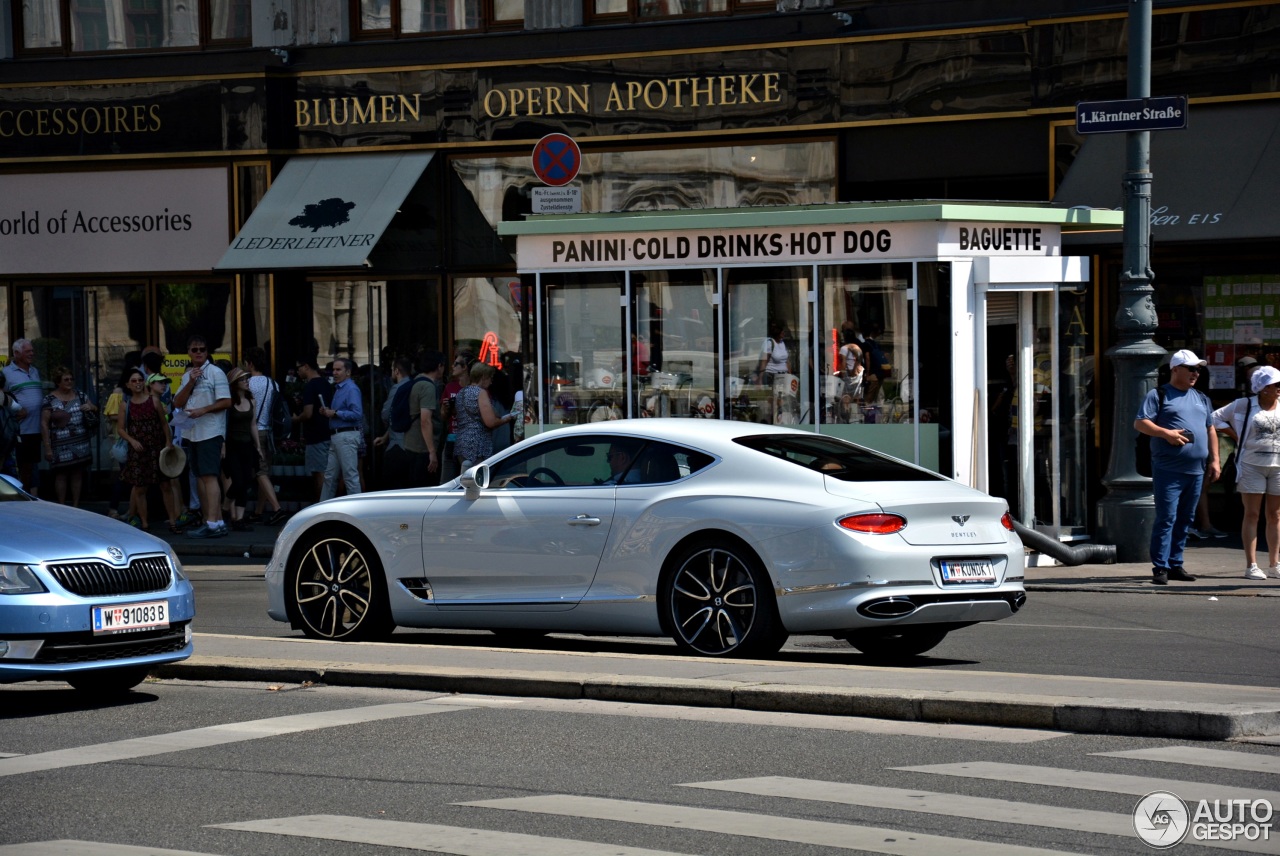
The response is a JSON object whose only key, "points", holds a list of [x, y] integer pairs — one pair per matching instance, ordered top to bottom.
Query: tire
{"points": [[337, 590], [716, 602], [892, 645], [108, 682]]}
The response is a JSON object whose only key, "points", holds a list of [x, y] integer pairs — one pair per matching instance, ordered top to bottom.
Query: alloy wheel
{"points": [[335, 591], [713, 601]]}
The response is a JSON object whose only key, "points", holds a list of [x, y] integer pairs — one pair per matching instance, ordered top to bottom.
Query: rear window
{"points": [[836, 458]]}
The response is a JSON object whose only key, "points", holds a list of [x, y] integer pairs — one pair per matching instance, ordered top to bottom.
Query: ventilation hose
{"points": [[1067, 554]]}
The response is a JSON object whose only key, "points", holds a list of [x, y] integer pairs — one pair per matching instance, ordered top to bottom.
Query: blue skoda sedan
{"points": [[86, 599]]}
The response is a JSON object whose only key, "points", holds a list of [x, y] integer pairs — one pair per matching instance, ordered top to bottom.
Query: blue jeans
{"points": [[1176, 495]]}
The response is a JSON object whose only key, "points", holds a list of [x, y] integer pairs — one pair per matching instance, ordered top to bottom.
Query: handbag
{"points": [[88, 418], [120, 448]]}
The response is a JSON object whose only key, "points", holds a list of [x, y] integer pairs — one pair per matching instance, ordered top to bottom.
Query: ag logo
{"points": [[1161, 819]]}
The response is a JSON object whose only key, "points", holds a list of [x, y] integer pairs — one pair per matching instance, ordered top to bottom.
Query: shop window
{"points": [[644, 10], [396, 18], [91, 26], [186, 308], [487, 315], [769, 345], [585, 348], [673, 360]]}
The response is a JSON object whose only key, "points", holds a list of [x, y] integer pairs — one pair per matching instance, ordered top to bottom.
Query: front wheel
{"points": [[337, 590], [717, 603], [898, 644], [108, 682]]}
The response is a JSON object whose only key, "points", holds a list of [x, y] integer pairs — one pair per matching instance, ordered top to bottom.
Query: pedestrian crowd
{"points": [[203, 449]]}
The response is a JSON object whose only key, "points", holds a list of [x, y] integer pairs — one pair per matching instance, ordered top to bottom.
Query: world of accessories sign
{"points": [[123, 221]]}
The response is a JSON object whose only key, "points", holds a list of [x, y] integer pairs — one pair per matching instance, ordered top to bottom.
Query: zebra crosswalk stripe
{"points": [[214, 735], [1196, 756], [1115, 783], [952, 805], [820, 833], [433, 838], [72, 847]]}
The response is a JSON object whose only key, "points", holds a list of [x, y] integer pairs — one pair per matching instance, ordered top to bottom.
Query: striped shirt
{"points": [[26, 387]]}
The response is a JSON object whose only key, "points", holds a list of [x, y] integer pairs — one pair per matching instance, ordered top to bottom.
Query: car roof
{"points": [[704, 433]]}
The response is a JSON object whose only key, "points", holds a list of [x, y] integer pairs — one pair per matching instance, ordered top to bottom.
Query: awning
{"points": [[1216, 180], [325, 212]]}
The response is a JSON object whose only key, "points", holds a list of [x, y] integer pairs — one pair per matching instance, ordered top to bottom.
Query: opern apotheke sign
{"points": [[782, 246]]}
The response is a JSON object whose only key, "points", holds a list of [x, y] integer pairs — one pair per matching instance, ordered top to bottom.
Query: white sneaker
{"points": [[1274, 571], [1253, 572]]}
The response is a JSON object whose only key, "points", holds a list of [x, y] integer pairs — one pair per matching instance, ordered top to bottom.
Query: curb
{"points": [[1146, 588], [1093, 716]]}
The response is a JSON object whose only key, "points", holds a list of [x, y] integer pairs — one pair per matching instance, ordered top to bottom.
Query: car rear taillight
{"points": [[1006, 520], [874, 523]]}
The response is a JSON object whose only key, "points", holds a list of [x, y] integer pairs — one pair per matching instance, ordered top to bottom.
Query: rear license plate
{"points": [[967, 572], [130, 617]]}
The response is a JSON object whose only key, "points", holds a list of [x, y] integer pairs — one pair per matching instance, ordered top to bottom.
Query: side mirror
{"points": [[475, 480]]}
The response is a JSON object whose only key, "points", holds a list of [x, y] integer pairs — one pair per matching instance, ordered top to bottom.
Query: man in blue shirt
{"points": [[346, 420], [1182, 437]]}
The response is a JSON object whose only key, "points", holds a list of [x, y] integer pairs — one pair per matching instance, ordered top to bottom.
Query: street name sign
{"points": [[1133, 114]]}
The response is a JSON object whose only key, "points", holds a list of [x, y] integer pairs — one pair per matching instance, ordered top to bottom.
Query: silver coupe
{"points": [[725, 536]]}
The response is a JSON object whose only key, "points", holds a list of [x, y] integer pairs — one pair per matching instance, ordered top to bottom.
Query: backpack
{"points": [[877, 361], [400, 417], [281, 420], [10, 428]]}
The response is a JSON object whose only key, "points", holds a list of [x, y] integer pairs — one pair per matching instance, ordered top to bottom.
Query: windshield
{"points": [[836, 458], [9, 493]]}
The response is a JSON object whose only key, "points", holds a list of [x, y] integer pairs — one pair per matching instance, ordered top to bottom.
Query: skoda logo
{"points": [[960, 519], [116, 554]]}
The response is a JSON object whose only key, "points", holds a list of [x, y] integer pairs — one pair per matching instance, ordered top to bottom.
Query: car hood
{"points": [[937, 512], [45, 531]]}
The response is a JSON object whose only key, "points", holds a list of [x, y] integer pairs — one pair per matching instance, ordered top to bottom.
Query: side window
{"points": [[596, 460], [659, 463]]}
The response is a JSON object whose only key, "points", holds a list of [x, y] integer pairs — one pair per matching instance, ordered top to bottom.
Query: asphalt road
{"points": [[1231, 640], [244, 769]]}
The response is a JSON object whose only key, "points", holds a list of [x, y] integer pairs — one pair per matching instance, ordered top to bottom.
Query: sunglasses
{"points": [[198, 350], [1192, 369]]}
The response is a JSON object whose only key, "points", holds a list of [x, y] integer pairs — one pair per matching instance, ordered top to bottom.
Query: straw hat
{"points": [[235, 374], [172, 460]]}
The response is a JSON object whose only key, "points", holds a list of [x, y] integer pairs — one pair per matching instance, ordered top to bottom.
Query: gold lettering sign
{"points": [[374, 110], [72, 121]]}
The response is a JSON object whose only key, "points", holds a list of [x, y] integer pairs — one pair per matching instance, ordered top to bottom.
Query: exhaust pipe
{"points": [[1067, 554], [892, 607]]}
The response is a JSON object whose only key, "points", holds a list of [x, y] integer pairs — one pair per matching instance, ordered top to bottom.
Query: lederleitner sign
{"points": [[113, 222]]}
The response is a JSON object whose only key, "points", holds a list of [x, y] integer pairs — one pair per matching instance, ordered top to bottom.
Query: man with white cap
{"points": [[1179, 421]]}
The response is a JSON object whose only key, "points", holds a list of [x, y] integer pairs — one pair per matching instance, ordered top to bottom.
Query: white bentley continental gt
{"points": [[725, 536]]}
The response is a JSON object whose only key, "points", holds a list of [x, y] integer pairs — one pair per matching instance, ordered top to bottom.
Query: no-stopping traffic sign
{"points": [[556, 159]]}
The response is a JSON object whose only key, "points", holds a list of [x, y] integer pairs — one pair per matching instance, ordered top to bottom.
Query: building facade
{"points": [[138, 144]]}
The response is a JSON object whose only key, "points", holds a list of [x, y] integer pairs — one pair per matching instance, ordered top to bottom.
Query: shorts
{"points": [[28, 451], [265, 454], [317, 456], [204, 457], [1253, 479]]}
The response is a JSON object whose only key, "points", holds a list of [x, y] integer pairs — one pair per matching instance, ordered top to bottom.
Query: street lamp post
{"points": [[1126, 513]]}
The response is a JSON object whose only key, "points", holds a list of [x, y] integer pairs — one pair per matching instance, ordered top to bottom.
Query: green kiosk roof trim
{"points": [[1070, 219]]}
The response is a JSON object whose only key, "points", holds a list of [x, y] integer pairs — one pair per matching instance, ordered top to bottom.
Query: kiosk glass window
{"points": [[486, 316], [769, 344], [585, 347], [674, 365]]}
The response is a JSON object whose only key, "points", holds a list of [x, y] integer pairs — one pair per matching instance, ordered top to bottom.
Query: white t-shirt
{"points": [[777, 354], [212, 387]]}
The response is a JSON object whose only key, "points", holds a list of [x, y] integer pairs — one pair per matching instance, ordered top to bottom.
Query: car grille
{"points": [[98, 579], [86, 648]]}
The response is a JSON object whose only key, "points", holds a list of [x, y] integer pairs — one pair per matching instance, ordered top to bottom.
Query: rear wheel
{"points": [[337, 590], [717, 602], [897, 644], [108, 682]]}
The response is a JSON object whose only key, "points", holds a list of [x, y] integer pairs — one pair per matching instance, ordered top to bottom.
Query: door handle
{"points": [[584, 520]]}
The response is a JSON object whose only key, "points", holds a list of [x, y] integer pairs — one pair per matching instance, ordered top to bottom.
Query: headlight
{"points": [[177, 568], [19, 579]]}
